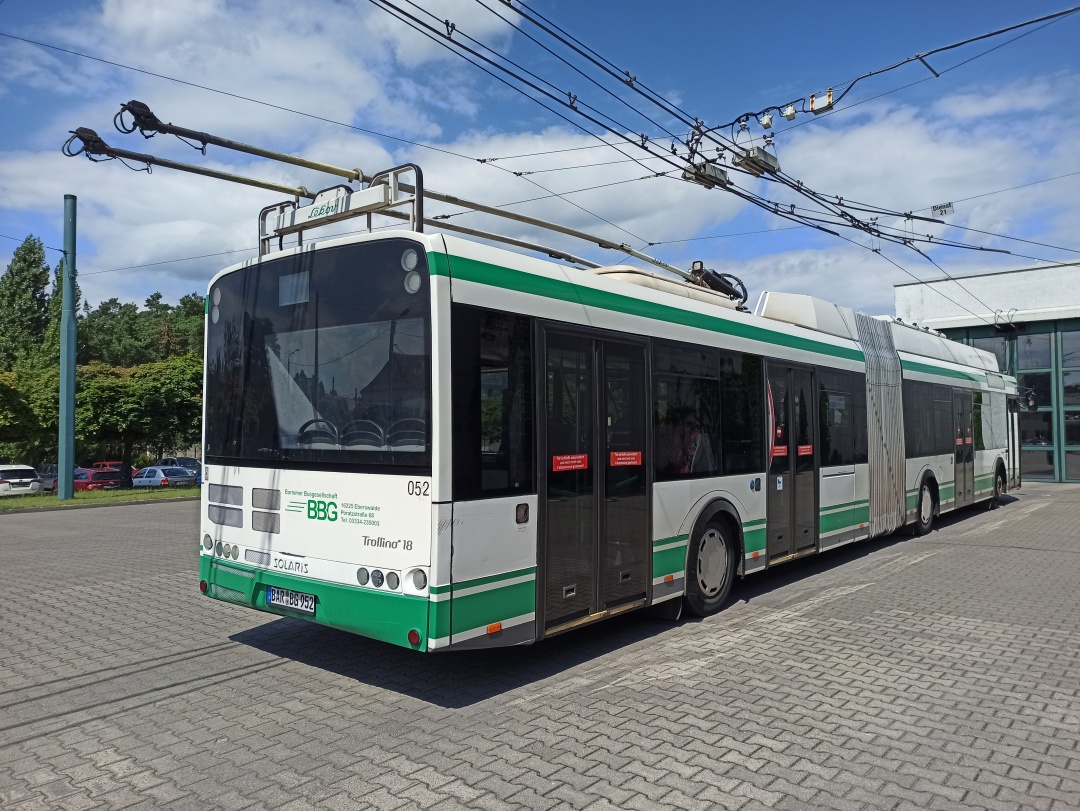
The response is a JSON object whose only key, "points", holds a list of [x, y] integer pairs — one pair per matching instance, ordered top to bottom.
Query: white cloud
{"points": [[353, 64], [1038, 95]]}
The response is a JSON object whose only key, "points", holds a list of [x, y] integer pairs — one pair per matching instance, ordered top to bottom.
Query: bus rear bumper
{"points": [[380, 615]]}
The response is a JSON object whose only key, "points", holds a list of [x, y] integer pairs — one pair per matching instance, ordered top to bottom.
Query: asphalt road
{"points": [[938, 672]]}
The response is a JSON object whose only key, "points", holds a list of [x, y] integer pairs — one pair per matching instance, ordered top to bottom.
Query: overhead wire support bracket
{"points": [[927, 64]]}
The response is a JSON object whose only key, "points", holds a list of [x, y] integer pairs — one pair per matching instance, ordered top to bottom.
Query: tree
{"points": [[24, 302], [115, 334], [18, 423]]}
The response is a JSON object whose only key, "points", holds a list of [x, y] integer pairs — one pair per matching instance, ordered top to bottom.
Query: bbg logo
{"points": [[322, 510]]}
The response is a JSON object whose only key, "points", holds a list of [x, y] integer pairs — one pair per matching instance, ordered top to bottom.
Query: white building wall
{"points": [[1035, 294]]}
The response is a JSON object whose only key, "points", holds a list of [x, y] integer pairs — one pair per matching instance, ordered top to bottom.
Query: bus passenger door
{"points": [[964, 460], [791, 514], [569, 520], [596, 537], [626, 547]]}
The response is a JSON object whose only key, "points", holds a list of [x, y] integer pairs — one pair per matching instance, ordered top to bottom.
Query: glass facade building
{"points": [[1030, 319], [1045, 357]]}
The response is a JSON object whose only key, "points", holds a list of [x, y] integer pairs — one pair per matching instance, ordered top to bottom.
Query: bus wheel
{"points": [[999, 488], [925, 517], [710, 570]]}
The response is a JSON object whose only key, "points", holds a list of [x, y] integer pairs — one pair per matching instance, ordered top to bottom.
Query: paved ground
{"points": [[907, 673]]}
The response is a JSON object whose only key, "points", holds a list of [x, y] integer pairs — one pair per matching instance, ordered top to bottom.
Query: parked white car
{"points": [[163, 477], [19, 480]]}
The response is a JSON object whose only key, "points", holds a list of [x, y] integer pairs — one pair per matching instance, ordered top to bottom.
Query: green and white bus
{"points": [[442, 444]]}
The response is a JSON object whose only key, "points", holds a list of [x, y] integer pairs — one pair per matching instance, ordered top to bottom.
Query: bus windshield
{"points": [[322, 358]]}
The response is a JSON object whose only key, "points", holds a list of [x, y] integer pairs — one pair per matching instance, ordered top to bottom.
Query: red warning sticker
{"points": [[779, 450], [806, 450], [625, 458], [570, 461]]}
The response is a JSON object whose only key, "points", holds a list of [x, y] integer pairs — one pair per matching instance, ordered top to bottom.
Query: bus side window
{"points": [[492, 403], [742, 412], [686, 414], [836, 414], [977, 420], [944, 426], [920, 434]]}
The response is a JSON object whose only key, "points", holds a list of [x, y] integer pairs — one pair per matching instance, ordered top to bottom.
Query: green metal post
{"points": [[65, 481]]}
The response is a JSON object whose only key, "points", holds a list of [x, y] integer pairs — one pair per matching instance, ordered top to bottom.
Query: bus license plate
{"points": [[295, 600]]}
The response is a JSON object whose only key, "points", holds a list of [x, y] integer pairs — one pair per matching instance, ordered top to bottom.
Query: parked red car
{"points": [[106, 465], [90, 479]]}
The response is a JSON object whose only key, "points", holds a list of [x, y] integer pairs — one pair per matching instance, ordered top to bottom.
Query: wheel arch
{"points": [[1003, 469], [928, 476], [719, 508]]}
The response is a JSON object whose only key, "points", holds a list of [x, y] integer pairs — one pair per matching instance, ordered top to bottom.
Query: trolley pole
{"points": [[65, 480]]}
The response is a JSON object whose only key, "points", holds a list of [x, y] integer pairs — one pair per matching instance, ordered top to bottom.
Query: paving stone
{"points": [[936, 672]]}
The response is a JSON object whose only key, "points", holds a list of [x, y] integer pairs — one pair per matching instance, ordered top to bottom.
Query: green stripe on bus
{"points": [[438, 264], [472, 270], [927, 369], [845, 505], [844, 519], [757, 522], [672, 539], [754, 539], [669, 561], [483, 581], [479, 610], [373, 613], [438, 619]]}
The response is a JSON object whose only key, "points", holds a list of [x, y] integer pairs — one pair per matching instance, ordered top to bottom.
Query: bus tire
{"points": [[999, 488], [924, 515], [710, 569]]}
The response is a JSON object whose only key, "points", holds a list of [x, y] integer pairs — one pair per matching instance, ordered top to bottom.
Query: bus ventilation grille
{"points": [[227, 494], [262, 499], [226, 516], [265, 522], [257, 557], [215, 566], [227, 594]]}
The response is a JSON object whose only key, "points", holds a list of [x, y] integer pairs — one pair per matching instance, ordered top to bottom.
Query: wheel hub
{"points": [[926, 505], [712, 562]]}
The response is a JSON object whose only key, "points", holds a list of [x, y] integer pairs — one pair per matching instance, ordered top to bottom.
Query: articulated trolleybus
{"points": [[446, 445]]}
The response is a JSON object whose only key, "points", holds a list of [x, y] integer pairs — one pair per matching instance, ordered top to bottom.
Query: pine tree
{"points": [[24, 302]]}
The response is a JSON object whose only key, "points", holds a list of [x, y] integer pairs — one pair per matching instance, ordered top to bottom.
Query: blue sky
{"points": [[1006, 119]]}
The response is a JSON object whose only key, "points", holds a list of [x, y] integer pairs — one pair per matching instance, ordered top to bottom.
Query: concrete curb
{"points": [[143, 503]]}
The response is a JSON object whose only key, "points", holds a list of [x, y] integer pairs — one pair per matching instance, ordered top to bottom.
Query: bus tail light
{"points": [[202, 586], [414, 637]]}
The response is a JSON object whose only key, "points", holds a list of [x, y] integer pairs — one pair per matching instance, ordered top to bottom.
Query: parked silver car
{"points": [[163, 477], [19, 480]]}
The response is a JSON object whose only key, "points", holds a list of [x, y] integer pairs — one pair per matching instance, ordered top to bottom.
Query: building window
{"points": [[998, 346], [1033, 351]]}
